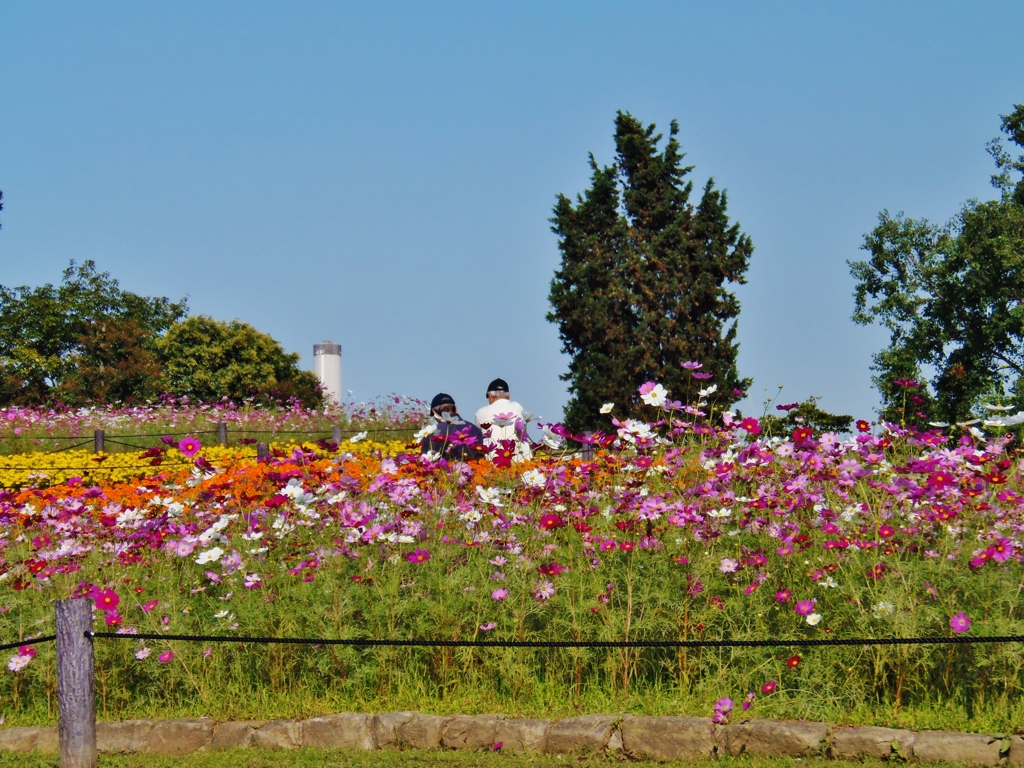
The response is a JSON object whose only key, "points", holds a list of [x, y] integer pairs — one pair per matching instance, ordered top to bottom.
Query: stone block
{"points": [[385, 728], [347, 730], [422, 731], [476, 732], [588, 733], [235, 734], [278, 734], [522, 735], [125, 737], [180, 737], [668, 738], [773, 738], [19, 739], [49, 739], [872, 742], [961, 748], [1016, 756]]}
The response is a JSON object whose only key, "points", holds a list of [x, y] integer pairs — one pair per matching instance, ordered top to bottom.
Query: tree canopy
{"points": [[641, 287], [952, 298], [44, 330], [88, 341], [206, 359]]}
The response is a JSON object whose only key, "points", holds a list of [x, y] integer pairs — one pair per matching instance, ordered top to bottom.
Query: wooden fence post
{"points": [[222, 432], [336, 435], [97, 440], [588, 448], [262, 451], [76, 696]]}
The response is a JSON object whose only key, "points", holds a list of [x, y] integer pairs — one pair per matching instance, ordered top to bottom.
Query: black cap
{"points": [[498, 385], [441, 399]]}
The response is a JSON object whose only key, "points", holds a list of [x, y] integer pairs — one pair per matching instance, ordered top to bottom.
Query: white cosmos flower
{"points": [[709, 391], [656, 396], [607, 407], [999, 407], [427, 431], [358, 437], [534, 478], [489, 495], [720, 512], [210, 556], [883, 609], [813, 619]]}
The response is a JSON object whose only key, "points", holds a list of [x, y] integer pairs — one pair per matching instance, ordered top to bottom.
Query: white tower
{"points": [[327, 364]]}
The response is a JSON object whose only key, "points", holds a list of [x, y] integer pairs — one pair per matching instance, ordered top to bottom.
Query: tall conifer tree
{"points": [[641, 287]]}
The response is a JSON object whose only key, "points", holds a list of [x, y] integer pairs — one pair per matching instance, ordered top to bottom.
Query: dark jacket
{"points": [[458, 429]]}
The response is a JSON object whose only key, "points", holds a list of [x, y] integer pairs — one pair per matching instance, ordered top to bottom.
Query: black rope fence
{"points": [[361, 642], [364, 642]]}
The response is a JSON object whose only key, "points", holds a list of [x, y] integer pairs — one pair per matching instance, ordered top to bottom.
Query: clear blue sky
{"points": [[382, 174]]}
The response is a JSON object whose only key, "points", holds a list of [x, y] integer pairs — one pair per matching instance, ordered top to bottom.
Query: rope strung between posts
{"points": [[33, 641], [362, 642], [371, 642]]}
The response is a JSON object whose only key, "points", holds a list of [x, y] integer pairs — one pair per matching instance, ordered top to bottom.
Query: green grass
{"points": [[308, 758]]}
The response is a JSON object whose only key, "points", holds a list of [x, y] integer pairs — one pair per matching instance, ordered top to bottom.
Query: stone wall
{"points": [[656, 738]]}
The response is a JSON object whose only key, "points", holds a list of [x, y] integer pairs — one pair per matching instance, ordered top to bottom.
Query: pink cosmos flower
{"points": [[692, 365], [189, 447], [418, 556], [499, 594], [783, 595], [105, 599], [149, 606], [805, 607], [960, 622], [488, 626], [165, 657], [769, 687]]}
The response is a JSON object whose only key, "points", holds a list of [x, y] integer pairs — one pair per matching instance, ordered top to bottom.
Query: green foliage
{"points": [[640, 288], [950, 297], [46, 331], [206, 359], [115, 365], [807, 414]]}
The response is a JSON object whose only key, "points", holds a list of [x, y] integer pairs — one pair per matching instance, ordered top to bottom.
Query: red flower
{"points": [[751, 425], [863, 426], [800, 434], [939, 480], [549, 522], [886, 532], [627, 546], [793, 661]]}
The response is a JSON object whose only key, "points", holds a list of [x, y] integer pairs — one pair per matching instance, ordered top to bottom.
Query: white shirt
{"points": [[505, 411]]}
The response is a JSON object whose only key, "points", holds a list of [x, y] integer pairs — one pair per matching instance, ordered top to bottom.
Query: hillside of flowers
{"points": [[55, 428], [689, 525]]}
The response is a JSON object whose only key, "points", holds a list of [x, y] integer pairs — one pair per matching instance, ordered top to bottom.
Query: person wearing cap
{"points": [[503, 419], [453, 436]]}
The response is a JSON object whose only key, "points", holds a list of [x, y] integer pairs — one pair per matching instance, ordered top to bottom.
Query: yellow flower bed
{"points": [[23, 469]]}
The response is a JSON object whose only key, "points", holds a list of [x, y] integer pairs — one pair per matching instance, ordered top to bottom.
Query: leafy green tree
{"points": [[642, 283], [952, 299], [43, 330], [206, 359], [116, 364]]}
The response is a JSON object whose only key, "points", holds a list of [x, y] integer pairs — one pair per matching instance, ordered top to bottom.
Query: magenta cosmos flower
{"points": [[189, 446], [550, 522], [418, 556], [105, 599], [805, 607], [960, 622], [166, 656]]}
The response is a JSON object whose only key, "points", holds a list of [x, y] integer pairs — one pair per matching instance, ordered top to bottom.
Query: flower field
{"points": [[682, 527]]}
